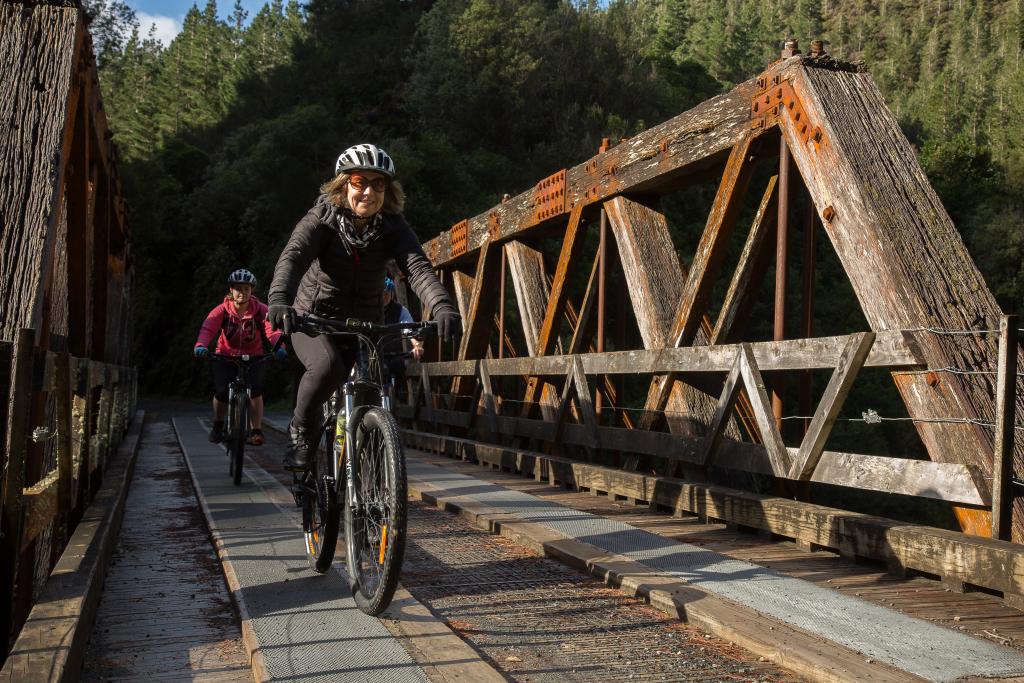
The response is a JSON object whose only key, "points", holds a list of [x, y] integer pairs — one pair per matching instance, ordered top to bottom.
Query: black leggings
{"points": [[327, 361], [224, 371]]}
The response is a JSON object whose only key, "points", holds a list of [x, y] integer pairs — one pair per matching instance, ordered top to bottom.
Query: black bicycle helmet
{"points": [[242, 277]]}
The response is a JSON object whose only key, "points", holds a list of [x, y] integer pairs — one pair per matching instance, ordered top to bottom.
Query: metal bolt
{"points": [[790, 48], [817, 48], [828, 214]]}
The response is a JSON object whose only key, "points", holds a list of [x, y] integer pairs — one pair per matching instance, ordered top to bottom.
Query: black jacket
{"points": [[316, 274]]}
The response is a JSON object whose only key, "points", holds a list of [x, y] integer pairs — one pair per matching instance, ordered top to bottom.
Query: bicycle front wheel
{"points": [[236, 444], [320, 511], [375, 528]]}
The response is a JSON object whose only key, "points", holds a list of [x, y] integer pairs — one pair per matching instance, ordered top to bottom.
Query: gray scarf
{"points": [[343, 220]]}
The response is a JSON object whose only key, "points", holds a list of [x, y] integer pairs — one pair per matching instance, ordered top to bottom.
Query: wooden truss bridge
{"points": [[809, 133], [695, 383]]}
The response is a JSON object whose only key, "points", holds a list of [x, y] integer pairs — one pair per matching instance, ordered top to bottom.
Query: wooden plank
{"points": [[38, 59], [683, 145], [572, 245], [526, 266], [650, 266], [750, 269], [530, 283], [462, 286], [477, 333], [892, 349], [838, 388], [1006, 390], [730, 392], [585, 400], [490, 407], [772, 440], [65, 455], [951, 482], [40, 505], [11, 518], [980, 561]]}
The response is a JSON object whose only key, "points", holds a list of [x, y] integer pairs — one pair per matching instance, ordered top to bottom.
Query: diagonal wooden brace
{"points": [[850, 362]]}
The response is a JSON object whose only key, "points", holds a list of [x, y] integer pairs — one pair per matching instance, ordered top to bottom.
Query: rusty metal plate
{"points": [[775, 96], [549, 197], [493, 225], [460, 238], [434, 250]]}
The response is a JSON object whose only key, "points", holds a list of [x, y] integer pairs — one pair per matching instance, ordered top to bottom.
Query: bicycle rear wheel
{"points": [[236, 444], [320, 511], [375, 530]]}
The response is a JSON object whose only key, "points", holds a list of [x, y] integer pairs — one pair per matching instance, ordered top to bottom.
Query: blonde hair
{"points": [[335, 189]]}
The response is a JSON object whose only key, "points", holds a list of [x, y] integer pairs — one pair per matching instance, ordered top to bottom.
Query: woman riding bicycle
{"points": [[333, 267], [239, 324]]}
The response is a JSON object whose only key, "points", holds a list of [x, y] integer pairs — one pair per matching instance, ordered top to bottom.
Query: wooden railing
{"points": [[66, 414], [573, 429]]}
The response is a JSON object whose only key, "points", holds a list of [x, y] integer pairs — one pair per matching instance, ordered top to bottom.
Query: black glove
{"points": [[281, 317], [449, 324]]}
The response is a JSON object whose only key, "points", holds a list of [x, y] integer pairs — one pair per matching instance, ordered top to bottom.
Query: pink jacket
{"points": [[237, 335]]}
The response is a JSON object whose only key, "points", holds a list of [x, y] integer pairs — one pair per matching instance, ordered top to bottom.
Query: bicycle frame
{"points": [[361, 382]]}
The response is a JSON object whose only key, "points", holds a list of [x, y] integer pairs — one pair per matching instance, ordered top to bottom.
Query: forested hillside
{"points": [[227, 132]]}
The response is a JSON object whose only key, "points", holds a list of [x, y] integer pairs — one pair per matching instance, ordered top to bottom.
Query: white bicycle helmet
{"points": [[365, 157], [242, 277]]}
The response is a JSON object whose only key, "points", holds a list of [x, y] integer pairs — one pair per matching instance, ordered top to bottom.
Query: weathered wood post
{"points": [[20, 405], [1002, 452], [64, 456]]}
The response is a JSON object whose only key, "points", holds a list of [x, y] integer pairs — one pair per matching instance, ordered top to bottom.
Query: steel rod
{"points": [[781, 239]]}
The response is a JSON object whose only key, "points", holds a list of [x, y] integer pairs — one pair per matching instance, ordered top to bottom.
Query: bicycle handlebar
{"points": [[354, 326]]}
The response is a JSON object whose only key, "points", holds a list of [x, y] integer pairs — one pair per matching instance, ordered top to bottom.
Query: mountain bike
{"points": [[238, 409], [358, 470]]}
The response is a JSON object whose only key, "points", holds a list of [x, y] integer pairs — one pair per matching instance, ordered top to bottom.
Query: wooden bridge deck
{"points": [[165, 613], [978, 613]]}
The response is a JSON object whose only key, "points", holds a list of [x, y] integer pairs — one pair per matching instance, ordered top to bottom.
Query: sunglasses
{"points": [[360, 183]]}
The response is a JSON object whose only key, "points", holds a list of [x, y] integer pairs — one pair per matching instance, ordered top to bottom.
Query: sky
{"points": [[167, 15]]}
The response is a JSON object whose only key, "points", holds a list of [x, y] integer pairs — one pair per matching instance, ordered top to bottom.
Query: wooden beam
{"points": [[572, 245], [711, 250], [526, 266], [650, 267], [530, 283], [742, 290], [481, 309], [892, 349], [850, 363], [730, 392], [1006, 395], [585, 401], [19, 405], [490, 407], [64, 417], [772, 440], [950, 482]]}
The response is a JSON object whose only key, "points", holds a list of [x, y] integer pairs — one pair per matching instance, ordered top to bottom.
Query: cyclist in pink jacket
{"points": [[240, 326]]}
